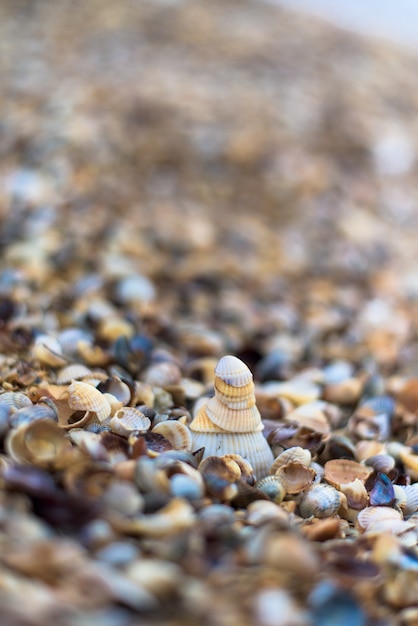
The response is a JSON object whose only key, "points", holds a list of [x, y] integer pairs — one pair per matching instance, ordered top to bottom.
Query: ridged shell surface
{"points": [[233, 371], [85, 397], [236, 421], [177, 433], [251, 446]]}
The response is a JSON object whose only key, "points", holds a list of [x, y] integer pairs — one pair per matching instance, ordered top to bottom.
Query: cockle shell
{"points": [[74, 371], [85, 397], [128, 419], [230, 422], [177, 433], [40, 443], [296, 453], [341, 471], [295, 476], [273, 487], [320, 501], [373, 514]]}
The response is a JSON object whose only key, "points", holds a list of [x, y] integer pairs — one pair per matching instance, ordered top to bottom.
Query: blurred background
{"points": [[231, 153]]}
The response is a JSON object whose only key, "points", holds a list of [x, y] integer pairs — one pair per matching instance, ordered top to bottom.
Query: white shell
{"points": [[233, 371], [85, 397], [177, 433], [251, 446], [373, 514]]}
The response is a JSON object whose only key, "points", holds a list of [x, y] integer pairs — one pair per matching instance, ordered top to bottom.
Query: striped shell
{"points": [[75, 371], [233, 371], [85, 397], [128, 419], [177, 434], [295, 453], [341, 471], [273, 487], [320, 501], [373, 514]]}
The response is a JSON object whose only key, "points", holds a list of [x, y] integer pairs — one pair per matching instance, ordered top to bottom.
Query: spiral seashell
{"points": [[85, 397], [128, 419], [229, 422], [177, 433], [296, 453], [273, 487], [320, 501], [373, 514]]}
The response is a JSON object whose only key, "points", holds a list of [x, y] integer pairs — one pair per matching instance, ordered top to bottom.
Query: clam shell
{"points": [[49, 351], [75, 371], [233, 371], [299, 391], [85, 397], [15, 399], [33, 412], [310, 415], [128, 419], [177, 433], [40, 443], [253, 447], [296, 453], [410, 462], [381, 463], [221, 466], [341, 471], [247, 472], [295, 477], [273, 487], [382, 493], [356, 494], [407, 498], [320, 501], [372, 514], [176, 516]]}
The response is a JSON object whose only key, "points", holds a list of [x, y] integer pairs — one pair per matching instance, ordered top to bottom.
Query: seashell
{"points": [[113, 326], [69, 338], [48, 351], [93, 355], [74, 371], [233, 371], [163, 374], [118, 388], [299, 391], [343, 392], [407, 394], [85, 397], [15, 399], [114, 403], [377, 406], [31, 413], [312, 416], [128, 419], [230, 423], [376, 427], [177, 433], [40, 443], [338, 447], [368, 448], [296, 453], [381, 462], [410, 462], [222, 466], [341, 471], [247, 472], [295, 476], [185, 486], [273, 487], [355, 493], [382, 493], [406, 498], [320, 501], [261, 512], [372, 514], [178, 515], [395, 527], [159, 577]]}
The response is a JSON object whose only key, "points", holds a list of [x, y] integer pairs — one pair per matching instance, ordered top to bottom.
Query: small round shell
{"points": [[49, 351], [75, 371], [233, 371], [85, 397], [128, 419], [177, 433], [296, 453], [381, 463], [295, 476], [273, 487], [356, 494], [320, 501], [372, 514]]}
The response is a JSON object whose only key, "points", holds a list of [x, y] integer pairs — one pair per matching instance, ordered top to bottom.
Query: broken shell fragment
{"points": [[128, 419], [176, 432], [41, 443], [296, 453], [341, 471], [295, 477], [372, 514]]}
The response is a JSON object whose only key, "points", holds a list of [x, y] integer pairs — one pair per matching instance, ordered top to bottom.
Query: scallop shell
{"points": [[233, 371], [85, 397], [128, 419], [240, 420], [177, 433], [253, 447], [296, 453], [341, 471], [295, 477], [407, 498], [320, 501], [372, 514]]}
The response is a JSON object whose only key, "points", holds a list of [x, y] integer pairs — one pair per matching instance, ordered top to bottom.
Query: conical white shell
{"points": [[233, 371], [237, 421], [251, 446]]}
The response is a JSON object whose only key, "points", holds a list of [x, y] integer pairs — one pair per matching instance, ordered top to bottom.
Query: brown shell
{"points": [[85, 397], [338, 472], [295, 477]]}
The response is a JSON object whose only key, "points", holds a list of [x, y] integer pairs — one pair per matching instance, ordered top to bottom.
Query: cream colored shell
{"points": [[85, 397], [230, 423], [177, 433]]}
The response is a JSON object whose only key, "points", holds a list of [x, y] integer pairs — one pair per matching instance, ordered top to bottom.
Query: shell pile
{"points": [[208, 318], [229, 422]]}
